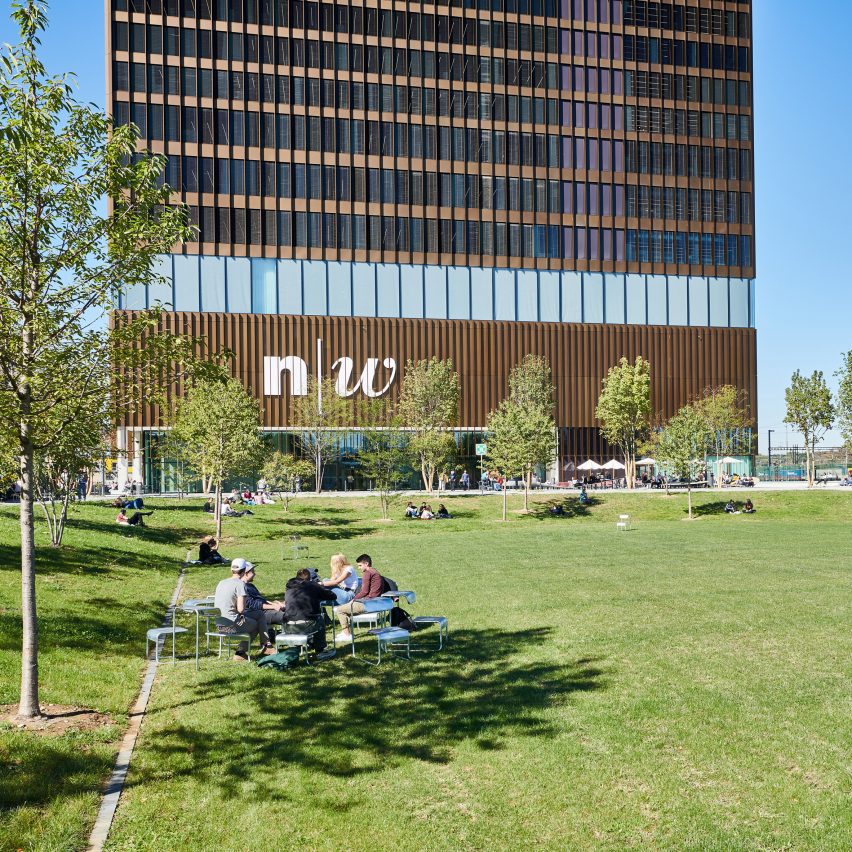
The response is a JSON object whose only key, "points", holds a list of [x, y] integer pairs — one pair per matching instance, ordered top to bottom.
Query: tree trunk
{"points": [[809, 462], [318, 466], [527, 491], [504, 499], [689, 500], [217, 510], [28, 705]]}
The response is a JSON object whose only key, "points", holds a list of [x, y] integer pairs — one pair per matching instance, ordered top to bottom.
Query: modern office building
{"points": [[378, 181]]}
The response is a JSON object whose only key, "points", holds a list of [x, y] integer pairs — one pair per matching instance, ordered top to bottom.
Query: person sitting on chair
{"points": [[748, 508], [730, 509], [442, 511], [207, 553], [343, 581], [371, 587], [230, 599], [302, 605], [273, 611]]}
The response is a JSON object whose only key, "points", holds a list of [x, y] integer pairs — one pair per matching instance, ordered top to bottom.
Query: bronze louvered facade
{"points": [[683, 360]]}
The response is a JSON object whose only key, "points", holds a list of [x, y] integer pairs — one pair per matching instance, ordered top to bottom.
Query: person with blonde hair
{"points": [[344, 579]]}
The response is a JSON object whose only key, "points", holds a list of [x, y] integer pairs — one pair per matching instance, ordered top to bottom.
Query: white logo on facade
{"points": [[297, 371]]}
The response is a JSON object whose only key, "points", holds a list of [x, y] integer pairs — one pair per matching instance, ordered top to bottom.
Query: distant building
{"points": [[477, 181]]}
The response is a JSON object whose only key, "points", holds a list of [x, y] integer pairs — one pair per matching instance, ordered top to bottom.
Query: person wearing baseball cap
{"points": [[230, 600]]}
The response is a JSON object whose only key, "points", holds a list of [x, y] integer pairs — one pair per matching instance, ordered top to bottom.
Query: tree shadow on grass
{"points": [[571, 507], [715, 507], [331, 530], [73, 560], [345, 719], [40, 769]]}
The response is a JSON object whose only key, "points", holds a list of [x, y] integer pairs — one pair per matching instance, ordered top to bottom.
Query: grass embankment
{"points": [[680, 685]]}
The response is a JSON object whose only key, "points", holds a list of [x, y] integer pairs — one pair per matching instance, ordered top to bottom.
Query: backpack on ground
{"points": [[401, 618], [286, 659]]}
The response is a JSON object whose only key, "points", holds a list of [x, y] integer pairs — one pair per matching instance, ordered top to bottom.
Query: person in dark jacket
{"points": [[207, 553], [372, 586], [302, 598], [273, 611]]}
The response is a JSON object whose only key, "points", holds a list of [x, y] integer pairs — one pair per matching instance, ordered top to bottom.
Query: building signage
{"points": [[275, 368]]}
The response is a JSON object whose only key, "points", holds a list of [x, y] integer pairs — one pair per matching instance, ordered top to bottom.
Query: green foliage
{"points": [[62, 264], [531, 384], [844, 399], [428, 406], [624, 409], [724, 410], [811, 411], [320, 415], [218, 424], [519, 438], [679, 446], [384, 453], [282, 470]]}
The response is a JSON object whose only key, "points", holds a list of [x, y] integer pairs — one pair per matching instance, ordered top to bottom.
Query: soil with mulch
{"points": [[56, 719]]}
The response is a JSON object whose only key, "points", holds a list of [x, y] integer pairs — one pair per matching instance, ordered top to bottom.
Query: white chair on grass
{"points": [[623, 524], [440, 621], [158, 635]]}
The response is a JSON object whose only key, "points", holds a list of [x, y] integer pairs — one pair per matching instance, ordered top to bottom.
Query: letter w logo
{"points": [[344, 367]]}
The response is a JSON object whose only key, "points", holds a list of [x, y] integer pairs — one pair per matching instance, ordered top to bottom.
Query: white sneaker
{"points": [[343, 636]]}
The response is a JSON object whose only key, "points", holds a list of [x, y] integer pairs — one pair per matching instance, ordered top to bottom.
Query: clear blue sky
{"points": [[804, 178]]}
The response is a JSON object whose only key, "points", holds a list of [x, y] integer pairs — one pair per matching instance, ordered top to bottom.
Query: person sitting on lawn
{"points": [[584, 497], [208, 507], [748, 508], [730, 509], [411, 510], [228, 511], [442, 511], [426, 513], [135, 520], [207, 553], [344, 579], [371, 587], [230, 599], [302, 606], [273, 611]]}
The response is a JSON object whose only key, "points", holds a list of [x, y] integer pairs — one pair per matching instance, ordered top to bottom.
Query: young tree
{"points": [[62, 262], [531, 387], [844, 399], [428, 406], [624, 409], [724, 410], [811, 411], [320, 415], [219, 426], [519, 438], [679, 446], [383, 458], [282, 471]]}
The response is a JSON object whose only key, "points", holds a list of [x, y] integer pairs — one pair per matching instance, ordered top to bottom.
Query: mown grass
{"points": [[683, 685]]}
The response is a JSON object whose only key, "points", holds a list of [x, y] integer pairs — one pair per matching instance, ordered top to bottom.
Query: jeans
{"points": [[343, 595]]}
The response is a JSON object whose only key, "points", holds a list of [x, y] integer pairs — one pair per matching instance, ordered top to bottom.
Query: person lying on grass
{"points": [[135, 520], [230, 599], [302, 605]]}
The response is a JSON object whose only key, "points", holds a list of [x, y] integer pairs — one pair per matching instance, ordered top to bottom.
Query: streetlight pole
{"points": [[769, 441]]}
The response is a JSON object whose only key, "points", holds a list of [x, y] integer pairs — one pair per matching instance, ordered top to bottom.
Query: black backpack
{"points": [[388, 585], [400, 618]]}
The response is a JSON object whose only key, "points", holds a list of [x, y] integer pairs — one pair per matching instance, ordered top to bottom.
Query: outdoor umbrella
{"points": [[645, 462], [612, 464], [589, 465]]}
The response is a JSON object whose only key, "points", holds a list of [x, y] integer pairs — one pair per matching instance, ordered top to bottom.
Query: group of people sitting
{"points": [[731, 508], [425, 513], [137, 519], [245, 610]]}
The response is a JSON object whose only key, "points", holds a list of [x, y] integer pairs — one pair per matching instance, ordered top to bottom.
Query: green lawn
{"points": [[683, 685]]}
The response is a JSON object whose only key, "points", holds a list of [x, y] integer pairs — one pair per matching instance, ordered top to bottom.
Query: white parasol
{"points": [[613, 464], [589, 465]]}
